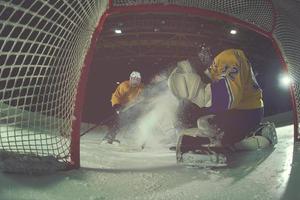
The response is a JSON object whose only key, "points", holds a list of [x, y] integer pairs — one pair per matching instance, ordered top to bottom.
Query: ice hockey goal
{"points": [[46, 47]]}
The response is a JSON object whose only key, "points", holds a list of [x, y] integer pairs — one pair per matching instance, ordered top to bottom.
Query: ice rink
{"points": [[122, 172]]}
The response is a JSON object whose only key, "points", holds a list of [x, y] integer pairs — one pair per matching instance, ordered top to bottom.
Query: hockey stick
{"points": [[110, 117], [97, 125]]}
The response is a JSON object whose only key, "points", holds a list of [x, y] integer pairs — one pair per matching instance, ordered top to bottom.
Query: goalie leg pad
{"points": [[269, 131], [263, 137], [188, 143], [252, 143], [196, 151], [203, 159]]}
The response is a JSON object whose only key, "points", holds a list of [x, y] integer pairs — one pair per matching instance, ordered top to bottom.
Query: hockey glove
{"points": [[117, 108]]}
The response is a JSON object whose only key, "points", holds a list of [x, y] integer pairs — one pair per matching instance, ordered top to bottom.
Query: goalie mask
{"points": [[205, 57], [201, 63], [135, 78], [185, 83]]}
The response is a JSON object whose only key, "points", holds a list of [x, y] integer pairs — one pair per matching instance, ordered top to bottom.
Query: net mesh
{"points": [[254, 12], [279, 18], [287, 32], [43, 45]]}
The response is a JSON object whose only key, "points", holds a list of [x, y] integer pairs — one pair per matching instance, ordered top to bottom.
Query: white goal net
{"points": [[43, 45]]}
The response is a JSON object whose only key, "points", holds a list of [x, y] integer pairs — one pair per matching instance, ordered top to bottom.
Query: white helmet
{"points": [[135, 78]]}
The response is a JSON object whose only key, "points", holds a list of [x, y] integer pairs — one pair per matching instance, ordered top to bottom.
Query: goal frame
{"points": [[174, 9], [47, 49]]}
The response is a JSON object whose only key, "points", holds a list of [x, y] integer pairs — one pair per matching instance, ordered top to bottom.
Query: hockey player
{"points": [[125, 94], [229, 100]]}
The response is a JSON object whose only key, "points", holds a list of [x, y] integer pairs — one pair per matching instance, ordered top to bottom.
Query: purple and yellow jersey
{"points": [[234, 85], [125, 93]]}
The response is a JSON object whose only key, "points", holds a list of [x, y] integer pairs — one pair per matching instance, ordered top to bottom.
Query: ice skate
{"points": [[109, 139]]}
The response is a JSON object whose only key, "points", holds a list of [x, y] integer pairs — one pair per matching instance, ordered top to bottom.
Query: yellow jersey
{"points": [[233, 82], [125, 93]]}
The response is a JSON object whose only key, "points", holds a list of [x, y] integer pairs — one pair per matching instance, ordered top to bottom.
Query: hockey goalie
{"points": [[229, 107]]}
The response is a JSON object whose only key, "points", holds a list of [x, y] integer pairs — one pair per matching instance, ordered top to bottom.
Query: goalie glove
{"points": [[185, 83]]}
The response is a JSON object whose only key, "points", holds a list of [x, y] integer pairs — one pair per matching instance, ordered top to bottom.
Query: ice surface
{"points": [[127, 172]]}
